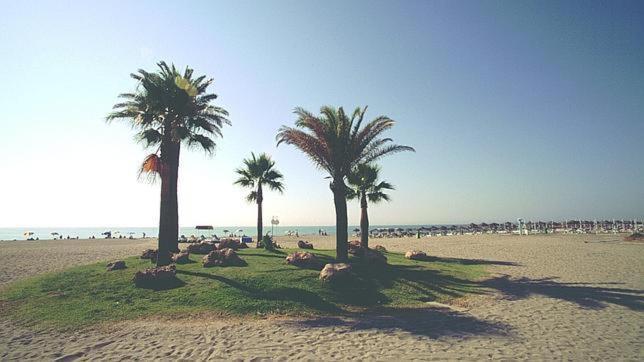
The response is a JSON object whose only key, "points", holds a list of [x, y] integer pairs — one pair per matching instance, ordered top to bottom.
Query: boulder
{"points": [[231, 244], [304, 244], [201, 248], [355, 248], [380, 248], [149, 254], [416, 255], [223, 257], [374, 257], [181, 258], [303, 259], [116, 265], [333, 272], [157, 275]]}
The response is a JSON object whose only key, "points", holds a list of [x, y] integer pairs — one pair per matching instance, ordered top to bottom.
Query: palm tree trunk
{"points": [[168, 212], [341, 222], [364, 222], [260, 225]]}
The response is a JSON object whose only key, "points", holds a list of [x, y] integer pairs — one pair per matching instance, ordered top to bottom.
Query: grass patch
{"points": [[86, 295]]}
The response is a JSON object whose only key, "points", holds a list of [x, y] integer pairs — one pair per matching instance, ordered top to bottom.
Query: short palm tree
{"points": [[167, 109], [336, 143], [257, 173], [365, 185]]}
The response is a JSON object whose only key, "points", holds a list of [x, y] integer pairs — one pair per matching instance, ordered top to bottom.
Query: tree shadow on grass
{"points": [[164, 284], [289, 294], [586, 295], [429, 322]]}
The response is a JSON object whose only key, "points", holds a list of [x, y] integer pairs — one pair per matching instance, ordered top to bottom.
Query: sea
{"points": [[8, 234]]}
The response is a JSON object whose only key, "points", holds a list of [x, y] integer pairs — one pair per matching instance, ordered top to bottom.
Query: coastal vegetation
{"points": [[167, 109], [336, 143], [256, 173], [365, 186], [89, 294]]}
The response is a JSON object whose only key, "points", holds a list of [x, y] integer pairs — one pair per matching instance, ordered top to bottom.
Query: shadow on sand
{"points": [[585, 295], [429, 322]]}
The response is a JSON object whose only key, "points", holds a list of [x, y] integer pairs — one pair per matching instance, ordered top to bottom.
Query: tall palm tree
{"points": [[167, 109], [337, 143], [257, 172], [365, 185]]}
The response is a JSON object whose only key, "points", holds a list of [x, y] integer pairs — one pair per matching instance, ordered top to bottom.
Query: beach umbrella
{"points": [[204, 227], [240, 230], [356, 230], [226, 231], [28, 233], [106, 233], [54, 234]]}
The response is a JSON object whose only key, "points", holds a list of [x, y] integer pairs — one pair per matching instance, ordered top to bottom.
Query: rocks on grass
{"points": [[231, 244], [302, 244], [203, 247], [355, 248], [380, 248], [149, 254], [416, 255], [223, 257], [374, 257], [181, 258], [303, 259], [116, 265], [335, 272], [155, 276]]}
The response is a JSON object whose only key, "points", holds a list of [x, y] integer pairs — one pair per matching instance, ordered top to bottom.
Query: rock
{"points": [[231, 244], [304, 244], [201, 248], [355, 248], [380, 248], [149, 254], [416, 255], [223, 257], [374, 257], [181, 258], [303, 259], [116, 265], [333, 272], [155, 275]]}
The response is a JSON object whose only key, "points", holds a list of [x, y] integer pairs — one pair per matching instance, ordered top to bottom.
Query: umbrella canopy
{"points": [[204, 227], [240, 230], [356, 230], [28, 233], [55, 233], [106, 233]]}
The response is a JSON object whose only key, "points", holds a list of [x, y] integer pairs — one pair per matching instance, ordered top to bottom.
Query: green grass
{"points": [[88, 294]]}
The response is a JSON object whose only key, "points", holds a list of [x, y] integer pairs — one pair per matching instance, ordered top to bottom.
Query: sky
{"points": [[530, 109]]}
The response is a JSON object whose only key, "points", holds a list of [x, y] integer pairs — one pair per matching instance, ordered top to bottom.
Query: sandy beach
{"points": [[573, 297]]}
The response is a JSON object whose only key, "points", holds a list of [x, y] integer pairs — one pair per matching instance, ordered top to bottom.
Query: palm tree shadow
{"points": [[166, 284], [291, 294], [585, 295], [428, 322]]}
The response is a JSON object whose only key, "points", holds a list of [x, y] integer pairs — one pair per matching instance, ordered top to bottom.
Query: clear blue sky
{"points": [[529, 109]]}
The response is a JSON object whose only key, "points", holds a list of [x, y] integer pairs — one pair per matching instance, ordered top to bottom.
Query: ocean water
{"points": [[137, 232]]}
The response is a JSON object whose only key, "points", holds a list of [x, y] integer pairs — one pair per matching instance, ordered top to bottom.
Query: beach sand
{"points": [[574, 297]]}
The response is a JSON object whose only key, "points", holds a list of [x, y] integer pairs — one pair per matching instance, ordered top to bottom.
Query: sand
{"points": [[573, 297]]}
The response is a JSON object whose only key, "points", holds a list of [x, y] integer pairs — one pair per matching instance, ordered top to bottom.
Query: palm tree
{"points": [[167, 109], [337, 143], [257, 172], [365, 185]]}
